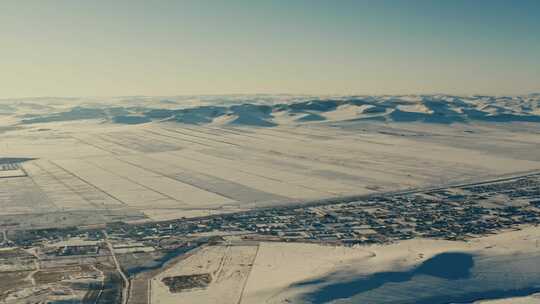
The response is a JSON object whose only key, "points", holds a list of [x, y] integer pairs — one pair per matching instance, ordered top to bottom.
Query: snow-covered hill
{"points": [[269, 111]]}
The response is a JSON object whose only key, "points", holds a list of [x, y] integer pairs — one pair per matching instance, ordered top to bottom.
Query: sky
{"points": [[126, 48]]}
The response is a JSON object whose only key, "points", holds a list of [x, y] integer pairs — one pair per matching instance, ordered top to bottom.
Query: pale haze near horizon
{"points": [[102, 48]]}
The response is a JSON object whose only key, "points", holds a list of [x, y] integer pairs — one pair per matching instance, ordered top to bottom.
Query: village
{"points": [[455, 213], [115, 262]]}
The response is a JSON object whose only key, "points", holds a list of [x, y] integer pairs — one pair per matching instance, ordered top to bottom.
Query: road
{"points": [[127, 283]]}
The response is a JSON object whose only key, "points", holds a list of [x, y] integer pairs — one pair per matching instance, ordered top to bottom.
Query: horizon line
{"points": [[269, 94]]}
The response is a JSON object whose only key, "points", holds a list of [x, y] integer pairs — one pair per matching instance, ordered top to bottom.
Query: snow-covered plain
{"points": [[172, 157], [97, 160], [228, 266], [277, 273]]}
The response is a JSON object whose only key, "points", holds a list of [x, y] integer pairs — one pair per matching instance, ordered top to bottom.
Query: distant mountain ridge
{"points": [[436, 109]]}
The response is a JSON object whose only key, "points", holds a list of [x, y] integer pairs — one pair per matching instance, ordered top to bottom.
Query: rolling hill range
{"points": [[276, 110]]}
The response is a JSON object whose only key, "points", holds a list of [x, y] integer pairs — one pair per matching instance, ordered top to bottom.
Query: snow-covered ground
{"points": [[205, 155], [90, 161], [228, 267], [285, 272]]}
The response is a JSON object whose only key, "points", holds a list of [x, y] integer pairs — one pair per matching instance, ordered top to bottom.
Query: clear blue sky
{"points": [[104, 48]]}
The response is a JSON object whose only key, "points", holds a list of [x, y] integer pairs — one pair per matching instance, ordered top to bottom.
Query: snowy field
{"points": [[224, 157], [228, 267], [276, 273]]}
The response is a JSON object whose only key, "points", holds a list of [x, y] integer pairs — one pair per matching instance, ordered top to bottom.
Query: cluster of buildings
{"points": [[9, 166], [451, 213], [454, 213]]}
